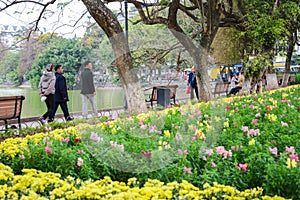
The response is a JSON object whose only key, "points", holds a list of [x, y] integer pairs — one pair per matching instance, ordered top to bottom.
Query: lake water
{"points": [[106, 98], [32, 105]]}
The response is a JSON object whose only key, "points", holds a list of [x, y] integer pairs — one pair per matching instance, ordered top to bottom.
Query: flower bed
{"points": [[245, 142]]}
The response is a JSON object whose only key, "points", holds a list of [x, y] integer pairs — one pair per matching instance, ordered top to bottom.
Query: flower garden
{"points": [[243, 147]]}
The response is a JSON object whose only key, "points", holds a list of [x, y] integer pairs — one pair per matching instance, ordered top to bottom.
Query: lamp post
{"points": [[126, 19], [126, 37]]}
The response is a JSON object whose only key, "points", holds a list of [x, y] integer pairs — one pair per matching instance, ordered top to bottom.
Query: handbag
{"points": [[188, 90]]}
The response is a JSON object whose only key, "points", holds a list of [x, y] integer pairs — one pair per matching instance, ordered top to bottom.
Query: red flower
{"points": [[77, 140]]}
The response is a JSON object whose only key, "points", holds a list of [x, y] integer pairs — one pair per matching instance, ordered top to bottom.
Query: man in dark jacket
{"points": [[192, 82], [88, 90], [61, 93]]}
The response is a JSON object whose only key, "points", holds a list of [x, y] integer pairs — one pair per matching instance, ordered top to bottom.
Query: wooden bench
{"points": [[221, 88], [153, 95], [10, 108]]}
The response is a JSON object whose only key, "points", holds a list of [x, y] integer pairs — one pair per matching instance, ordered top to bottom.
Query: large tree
{"points": [[290, 12]]}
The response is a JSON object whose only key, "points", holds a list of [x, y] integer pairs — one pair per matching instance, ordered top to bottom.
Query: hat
{"points": [[49, 67]]}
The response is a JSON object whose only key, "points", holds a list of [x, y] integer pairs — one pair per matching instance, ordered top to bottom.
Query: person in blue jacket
{"points": [[192, 82], [61, 94]]}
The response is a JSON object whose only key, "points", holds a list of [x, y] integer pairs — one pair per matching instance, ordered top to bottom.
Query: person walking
{"points": [[192, 82], [46, 90], [88, 91], [61, 94]]}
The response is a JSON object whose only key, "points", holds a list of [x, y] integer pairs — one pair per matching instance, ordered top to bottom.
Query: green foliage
{"points": [[226, 47], [70, 53], [9, 67], [254, 67]]}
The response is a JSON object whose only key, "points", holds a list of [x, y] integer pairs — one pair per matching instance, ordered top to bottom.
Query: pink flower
{"points": [[255, 97], [244, 106], [252, 106], [227, 107], [236, 109], [257, 115], [254, 121], [141, 122], [284, 123], [108, 124], [143, 126], [245, 128], [152, 129], [253, 132], [94, 136], [178, 137], [46, 140], [66, 140], [77, 140], [290, 149], [48, 150], [220, 150], [80, 151], [179, 151], [273, 151], [185, 152], [209, 152], [146, 153], [227, 154], [22, 156], [294, 157], [204, 158], [79, 162], [213, 164], [243, 167], [188, 170]]}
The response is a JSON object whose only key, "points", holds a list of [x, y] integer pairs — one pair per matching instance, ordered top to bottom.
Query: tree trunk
{"points": [[289, 54], [128, 76], [203, 82], [272, 82]]}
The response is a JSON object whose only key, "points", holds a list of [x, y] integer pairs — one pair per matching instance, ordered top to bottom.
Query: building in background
{"points": [[13, 35]]}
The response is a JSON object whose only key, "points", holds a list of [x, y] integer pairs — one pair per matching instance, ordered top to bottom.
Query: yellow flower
{"points": [[272, 117], [217, 119], [226, 124], [167, 133], [252, 142], [288, 163], [294, 163]]}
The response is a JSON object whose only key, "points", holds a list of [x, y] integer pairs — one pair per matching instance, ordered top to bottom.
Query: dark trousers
{"points": [[235, 90], [196, 91], [50, 105], [64, 107]]}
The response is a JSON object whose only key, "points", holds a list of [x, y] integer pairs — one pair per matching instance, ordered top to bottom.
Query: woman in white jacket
{"points": [[47, 91]]}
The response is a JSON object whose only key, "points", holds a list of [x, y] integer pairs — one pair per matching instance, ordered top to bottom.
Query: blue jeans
{"points": [[85, 99]]}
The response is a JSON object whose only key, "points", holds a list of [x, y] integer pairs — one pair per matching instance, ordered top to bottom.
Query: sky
{"points": [[56, 19]]}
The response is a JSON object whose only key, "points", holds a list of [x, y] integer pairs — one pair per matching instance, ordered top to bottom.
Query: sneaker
{"points": [[69, 118], [42, 121]]}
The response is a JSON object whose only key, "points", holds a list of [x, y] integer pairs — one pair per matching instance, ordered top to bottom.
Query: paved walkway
{"points": [[111, 113]]}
